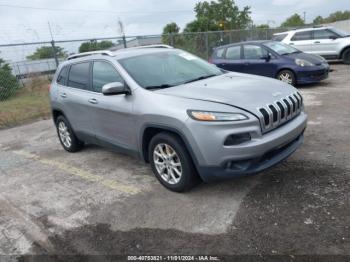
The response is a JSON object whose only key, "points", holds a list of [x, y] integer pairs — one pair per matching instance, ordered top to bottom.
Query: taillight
{"points": [[210, 60]]}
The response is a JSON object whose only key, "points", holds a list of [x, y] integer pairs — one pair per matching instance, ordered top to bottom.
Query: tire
{"points": [[346, 56], [287, 76], [66, 135], [178, 159]]}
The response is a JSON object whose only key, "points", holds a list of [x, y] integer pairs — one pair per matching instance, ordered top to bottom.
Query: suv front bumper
{"points": [[215, 161]]}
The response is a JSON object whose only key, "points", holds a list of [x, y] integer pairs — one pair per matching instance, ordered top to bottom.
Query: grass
{"points": [[28, 104]]}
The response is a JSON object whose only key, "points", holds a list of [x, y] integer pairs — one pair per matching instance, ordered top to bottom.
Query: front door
{"points": [[325, 42], [256, 62], [111, 115]]}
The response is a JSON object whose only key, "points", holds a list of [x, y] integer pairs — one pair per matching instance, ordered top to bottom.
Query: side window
{"points": [[323, 34], [306, 35], [233, 52], [254, 52], [219, 53], [103, 73], [79, 76], [62, 77]]}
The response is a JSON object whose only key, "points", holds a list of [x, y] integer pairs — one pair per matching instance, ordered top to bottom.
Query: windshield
{"points": [[339, 32], [280, 48], [166, 69]]}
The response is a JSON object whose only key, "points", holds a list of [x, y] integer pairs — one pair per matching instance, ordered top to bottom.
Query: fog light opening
{"points": [[237, 139]]}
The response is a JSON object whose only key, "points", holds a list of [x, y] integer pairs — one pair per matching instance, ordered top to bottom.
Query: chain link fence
{"points": [[27, 68]]}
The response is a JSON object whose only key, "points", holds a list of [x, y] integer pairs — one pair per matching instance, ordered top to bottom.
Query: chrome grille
{"points": [[282, 110]]}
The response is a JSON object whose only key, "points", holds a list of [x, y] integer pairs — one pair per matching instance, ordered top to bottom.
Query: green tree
{"points": [[220, 15], [337, 16], [318, 20], [292, 21], [262, 26], [171, 28], [94, 45], [46, 52], [8, 82]]}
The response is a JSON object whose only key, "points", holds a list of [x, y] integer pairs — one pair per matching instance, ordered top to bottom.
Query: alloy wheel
{"points": [[286, 77], [64, 134], [167, 163]]}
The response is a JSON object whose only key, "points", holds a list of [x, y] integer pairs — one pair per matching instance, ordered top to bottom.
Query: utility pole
{"points": [[304, 17], [121, 29], [53, 45]]}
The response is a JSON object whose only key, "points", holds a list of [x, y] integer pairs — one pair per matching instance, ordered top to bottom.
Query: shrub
{"points": [[8, 82]]}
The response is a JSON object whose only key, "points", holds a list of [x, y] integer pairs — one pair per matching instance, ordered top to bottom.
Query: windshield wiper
{"points": [[199, 78], [158, 86]]}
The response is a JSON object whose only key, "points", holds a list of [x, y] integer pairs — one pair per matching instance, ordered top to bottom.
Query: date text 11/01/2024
{"points": [[173, 258]]}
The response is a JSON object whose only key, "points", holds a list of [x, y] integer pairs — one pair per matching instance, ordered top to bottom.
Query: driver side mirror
{"points": [[333, 37], [266, 57], [115, 88]]}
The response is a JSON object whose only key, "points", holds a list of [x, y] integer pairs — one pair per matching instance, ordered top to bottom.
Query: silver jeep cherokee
{"points": [[189, 119]]}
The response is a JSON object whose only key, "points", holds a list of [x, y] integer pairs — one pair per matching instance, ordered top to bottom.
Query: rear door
{"points": [[303, 41], [325, 42], [233, 60], [255, 62], [74, 98], [111, 115]]}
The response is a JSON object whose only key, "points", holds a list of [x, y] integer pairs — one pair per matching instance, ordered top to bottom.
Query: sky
{"points": [[74, 19]]}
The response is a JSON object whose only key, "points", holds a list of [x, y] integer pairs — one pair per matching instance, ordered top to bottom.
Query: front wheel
{"points": [[346, 56], [287, 76], [171, 163]]}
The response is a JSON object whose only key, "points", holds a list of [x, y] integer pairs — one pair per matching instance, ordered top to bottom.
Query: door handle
{"points": [[317, 42], [291, 43], [63, 95], [93, 101]]}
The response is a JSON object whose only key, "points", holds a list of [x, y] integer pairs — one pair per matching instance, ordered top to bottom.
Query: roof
{"points": [[303, 30], [253, 42], [119, 54]]}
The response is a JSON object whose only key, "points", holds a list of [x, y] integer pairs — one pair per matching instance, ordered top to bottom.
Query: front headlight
{"points": [[302, 62], [215, 116]]}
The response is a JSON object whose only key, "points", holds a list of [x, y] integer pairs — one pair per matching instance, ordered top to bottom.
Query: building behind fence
{"points": [[201, 44]]}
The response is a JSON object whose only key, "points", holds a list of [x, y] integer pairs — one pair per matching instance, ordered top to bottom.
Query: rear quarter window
{"points": [[279, 38], [63, 76]]}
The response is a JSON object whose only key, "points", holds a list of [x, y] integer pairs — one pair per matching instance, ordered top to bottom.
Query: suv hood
{"points": [[248, 92]]}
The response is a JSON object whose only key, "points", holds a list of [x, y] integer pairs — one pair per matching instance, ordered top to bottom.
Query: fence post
{"points": [[171, 39], [124, 41], [207, 44], [54, 52]]}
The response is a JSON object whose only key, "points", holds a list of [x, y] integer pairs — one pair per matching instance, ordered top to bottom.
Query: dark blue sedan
{"points": [[271, 59]]}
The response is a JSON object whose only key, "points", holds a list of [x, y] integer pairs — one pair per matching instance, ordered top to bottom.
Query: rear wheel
{"points": [[346, 56], [287, 76], [66, 135], [171, 163]]}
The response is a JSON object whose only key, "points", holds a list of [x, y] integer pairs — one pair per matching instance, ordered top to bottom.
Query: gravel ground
{"points": [[101, 203]]}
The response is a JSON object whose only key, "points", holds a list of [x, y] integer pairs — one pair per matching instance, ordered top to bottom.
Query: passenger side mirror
{"points": [[115, 88]]}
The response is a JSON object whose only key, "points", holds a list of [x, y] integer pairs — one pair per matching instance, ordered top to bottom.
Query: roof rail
{"points": [[145, 46], [101, 52]]}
